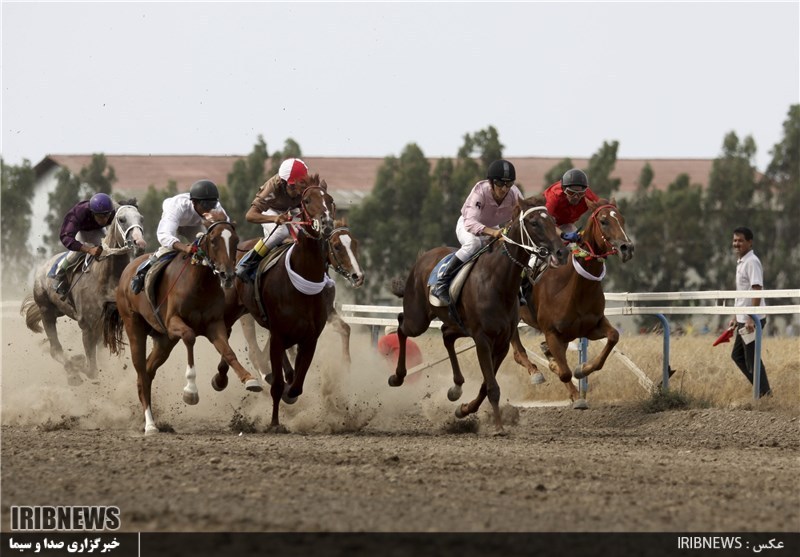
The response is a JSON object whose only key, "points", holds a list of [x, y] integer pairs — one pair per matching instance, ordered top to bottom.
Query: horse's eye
{"points": [[122, 219]]}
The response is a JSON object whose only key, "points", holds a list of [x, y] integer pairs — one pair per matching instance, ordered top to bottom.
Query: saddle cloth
{"points": [[455, 285]]}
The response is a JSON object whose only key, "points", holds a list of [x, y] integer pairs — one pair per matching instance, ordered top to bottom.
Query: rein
{"points": [[108, 250], [338, 267]]}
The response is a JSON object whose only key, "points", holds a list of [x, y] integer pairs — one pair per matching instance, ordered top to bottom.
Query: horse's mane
{"points": [[536, 200], [132, 201], [215, 215], [340, 223]]}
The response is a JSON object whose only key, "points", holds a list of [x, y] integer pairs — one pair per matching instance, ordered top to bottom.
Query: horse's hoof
{"points": [[91, 373], [578, 374], [268, 378], [537, 378], [74, 380], [395, 381], [219, 382], [253, 386], [454, 393], [191, 397], [288, 399], [580, 404], [460, 413], [277, 428], [150, 430], [500, 433]]}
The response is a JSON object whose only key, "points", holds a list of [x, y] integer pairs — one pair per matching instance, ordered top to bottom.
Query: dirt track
{"points": [[364, 457]]}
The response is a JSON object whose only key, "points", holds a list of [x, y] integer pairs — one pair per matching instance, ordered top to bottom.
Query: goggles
{"points": [[575, 192]]}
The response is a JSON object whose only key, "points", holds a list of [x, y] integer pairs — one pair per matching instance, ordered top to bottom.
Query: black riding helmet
{"points": [[501, 170], [574, 178], [203, 190]]}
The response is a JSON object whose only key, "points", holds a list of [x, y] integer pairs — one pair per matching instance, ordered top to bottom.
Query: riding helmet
{"points": [[292, 170], [501, 170], [574, 177], [203, 189], [101, 203]]}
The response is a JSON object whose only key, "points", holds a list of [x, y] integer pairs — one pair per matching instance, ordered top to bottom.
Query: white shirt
{"points": [[178, 212], [748, 274]]}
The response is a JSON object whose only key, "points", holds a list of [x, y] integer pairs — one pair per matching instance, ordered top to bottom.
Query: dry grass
{"points": [[706, 374]]}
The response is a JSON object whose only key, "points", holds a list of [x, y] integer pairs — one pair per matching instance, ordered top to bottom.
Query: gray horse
{"points": [[90, 288]]}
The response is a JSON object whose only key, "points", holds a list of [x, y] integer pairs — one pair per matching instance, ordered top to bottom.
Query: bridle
{"points": [[308, 220], [128, 244], [588, 253], [538, 254], [200, 255]]}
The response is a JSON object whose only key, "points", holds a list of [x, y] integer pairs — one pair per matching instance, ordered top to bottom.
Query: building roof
{"points": [[352, 177]]}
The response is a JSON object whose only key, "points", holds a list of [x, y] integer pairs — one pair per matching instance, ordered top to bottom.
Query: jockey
{"points": [[566, 201], [276, 203], [489, 205], [180, 215], [82, 231]]}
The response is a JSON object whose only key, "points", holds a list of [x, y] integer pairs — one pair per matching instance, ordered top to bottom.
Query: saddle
{"points": [[71, 269], [456, 284]]}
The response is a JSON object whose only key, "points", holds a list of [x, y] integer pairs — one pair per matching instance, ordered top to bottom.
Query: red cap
{"points": [[292, 169]]}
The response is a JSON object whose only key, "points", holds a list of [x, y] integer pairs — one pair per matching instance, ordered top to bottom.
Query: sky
{"points": [[665, 80]]}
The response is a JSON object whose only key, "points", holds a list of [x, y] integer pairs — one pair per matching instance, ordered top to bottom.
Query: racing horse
{"points": [[342, 248], [91, 286], [191, 303], [293, 303], [568, 303], [487, 308]]}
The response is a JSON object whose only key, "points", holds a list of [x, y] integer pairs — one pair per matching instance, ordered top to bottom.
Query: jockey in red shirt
{"points": [[566, 201]]}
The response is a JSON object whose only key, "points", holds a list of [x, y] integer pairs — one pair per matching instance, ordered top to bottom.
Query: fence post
{"points": [[583, 349]]}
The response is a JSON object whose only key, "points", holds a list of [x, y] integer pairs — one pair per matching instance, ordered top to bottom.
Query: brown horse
{"points": [[342, 249], [91, 287], [292, 294], [190, 303], [568, 303], [488, 306]]}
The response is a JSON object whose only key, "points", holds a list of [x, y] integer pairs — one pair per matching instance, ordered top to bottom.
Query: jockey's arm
{"points": [[255, 216], [180, 246]]}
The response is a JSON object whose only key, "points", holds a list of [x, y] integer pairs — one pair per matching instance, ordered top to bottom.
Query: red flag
{"points": [[724, 337]]}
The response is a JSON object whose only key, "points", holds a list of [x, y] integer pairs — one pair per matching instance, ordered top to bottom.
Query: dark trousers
{"points": [[744, 356]]}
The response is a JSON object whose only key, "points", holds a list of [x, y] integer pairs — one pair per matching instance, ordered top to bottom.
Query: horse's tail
{"points": [[398, 287], [33, 315], [112, 329]]}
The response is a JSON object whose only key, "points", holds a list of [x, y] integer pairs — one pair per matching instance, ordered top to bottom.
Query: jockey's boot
{"points": [[247, 266], [137, 282], [61, 284], [442, 287], [524, 291]]}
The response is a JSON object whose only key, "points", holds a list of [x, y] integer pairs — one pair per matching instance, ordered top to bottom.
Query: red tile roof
{"points": [[355, 174]]}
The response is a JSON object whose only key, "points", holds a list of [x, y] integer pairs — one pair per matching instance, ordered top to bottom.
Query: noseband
{"points": [[308, 220], [126, 244], [589, 252], [538, 253]]}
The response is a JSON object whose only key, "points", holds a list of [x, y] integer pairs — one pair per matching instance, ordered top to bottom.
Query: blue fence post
{"points": [[583, 349], [757, 359], [665, 364]]}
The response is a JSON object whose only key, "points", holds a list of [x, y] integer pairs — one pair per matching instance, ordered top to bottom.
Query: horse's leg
{"points": [[49, 317], [136, 329], [177, 329], [604, 329], [344, 331], [90, 334], [217, 334], [449, 337], [555, 350], [305, 353], [487, 353], [276, 355], [257, 356], [521, 357], [400, 372]]}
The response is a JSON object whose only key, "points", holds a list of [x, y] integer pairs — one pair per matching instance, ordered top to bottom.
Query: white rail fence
{"points": [[630, 303]]}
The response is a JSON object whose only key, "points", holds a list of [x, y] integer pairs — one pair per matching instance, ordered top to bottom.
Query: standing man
{"points": [[749, 276]]}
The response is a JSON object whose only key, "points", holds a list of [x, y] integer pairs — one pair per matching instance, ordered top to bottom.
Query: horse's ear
{"points": [[323, 184], [613, 202]]}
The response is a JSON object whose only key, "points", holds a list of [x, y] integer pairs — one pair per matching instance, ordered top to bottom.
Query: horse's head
{"points": [[318, 207], [605, 231], [126, 232], [538, 233], [218, 247], [343, 253]]}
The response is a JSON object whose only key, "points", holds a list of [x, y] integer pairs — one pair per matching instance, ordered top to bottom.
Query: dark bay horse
{"points": [[342, 248], [90, 288], [568, 302], [190, 303], [294, 303], [488, 306]]}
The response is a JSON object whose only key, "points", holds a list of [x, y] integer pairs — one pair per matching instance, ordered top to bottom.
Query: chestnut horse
{"points": [[342, 249], [90, 289], [292, 293], [191, 303], [568, 303], [488, 306]]}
